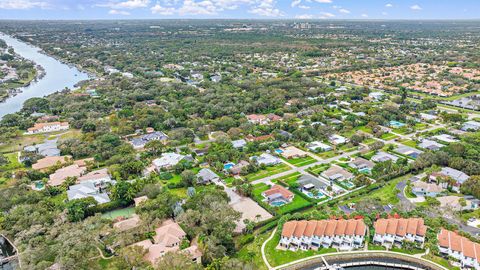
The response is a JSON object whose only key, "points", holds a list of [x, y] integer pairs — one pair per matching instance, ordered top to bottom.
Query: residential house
{"points": [[377, 96], [273, 117], [428, 117], [258, 119], [471, 125], [48, 127], [261, 138], [446, 138], [337, 139], [140, 141], [239, 143], [430, 145], [317, 146], [408, 151], [293, 152], [383, 156], [266, 159], [167, 161], [48, 162], [361, 164], [237, 168], [337, 173], [59, 176], [205, 176], [458, 176], [100, 178], [307, 183], [87, 189], [425, 189], [278, 195], [457, 203], [127, 224], [394, 231], [315, 234], [168, 237], [453, 245]]}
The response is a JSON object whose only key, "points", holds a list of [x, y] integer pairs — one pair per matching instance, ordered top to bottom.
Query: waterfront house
{"points": [[394, 231], [315, 234]]}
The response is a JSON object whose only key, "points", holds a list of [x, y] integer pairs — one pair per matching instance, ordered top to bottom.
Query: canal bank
{"points": [[57, 75], [357, 260]]}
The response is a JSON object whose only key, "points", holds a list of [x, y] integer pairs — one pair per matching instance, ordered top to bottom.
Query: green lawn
{"points": [[420, 126], [403, 130], [388, 136], [369, 141], [20, 142], [410, 143], [348, 148], [327, 154], [300, 162], [13, 163], [318, 169], [267, 172], [290, 178], [386, 194], [297, 203], [124, 212], [375, 247], [412, 251], [251, 252], [278, 257], [441, 261]]}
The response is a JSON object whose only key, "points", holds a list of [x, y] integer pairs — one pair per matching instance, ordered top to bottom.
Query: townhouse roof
{"points": [[400, 226], [320, 228], [458, 243]]}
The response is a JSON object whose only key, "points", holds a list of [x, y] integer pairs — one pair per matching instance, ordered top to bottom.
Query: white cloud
{"points": [[323, 1], [296, 3], [23, 4], [129, 4], [389, 5], [191, 7], [304, 7], [415, 7], [267, 8], [157, 9], [344, 11], [118, 12], [384, 13], [326, 15], [364, 15], [304, 16]]}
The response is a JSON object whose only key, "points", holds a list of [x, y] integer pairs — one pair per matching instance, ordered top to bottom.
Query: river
{"points": [[58, 75]]}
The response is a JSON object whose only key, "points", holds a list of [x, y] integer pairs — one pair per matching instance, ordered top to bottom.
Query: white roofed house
{"points": [[471, 125], [48, 127], [337, 139], [239, 143], [430, 145], [317, 146], [383, 156], [266, 159], [167, 161], [337, 173], [205, 176], [458, 176], [100, 178], [87, 189], [424, 189]]}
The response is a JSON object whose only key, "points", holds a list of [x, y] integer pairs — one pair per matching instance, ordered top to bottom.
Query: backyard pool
{"points": [[396, 124], [279, 151], [228, 166], [365, 170], [348, 184], [39, 185], [320, 195], [277, 203]]}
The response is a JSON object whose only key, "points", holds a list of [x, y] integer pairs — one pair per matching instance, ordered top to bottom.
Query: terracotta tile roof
{"points": [[39, 126], [48, 162], [60, 175], [277, 189], [400, 227], [289, 228], [300, 228], [321, 228], [458, 243]]}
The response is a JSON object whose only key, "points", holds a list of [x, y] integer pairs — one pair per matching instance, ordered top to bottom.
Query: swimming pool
{"points": [[396, 124], [279, 151], [228, 166], [365, 170], [348, 184], [39, 185], [320, 195], [277, 203]]}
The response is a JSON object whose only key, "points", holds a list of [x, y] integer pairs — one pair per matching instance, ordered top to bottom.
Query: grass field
{"points": [[388, 136], [20, 142], [410, 143], [327, 154], [300, 162], [13, 163], [319, 168], [269, 171], [290, 178], [386, 194], [124, 212], [278, 257]]}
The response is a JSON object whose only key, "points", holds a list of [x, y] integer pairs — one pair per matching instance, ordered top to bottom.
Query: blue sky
{"points": [[239, 9]]}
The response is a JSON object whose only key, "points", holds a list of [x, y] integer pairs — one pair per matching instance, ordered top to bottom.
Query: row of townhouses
{"points": [[394, 231], [315, 234], [461, 248]]}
